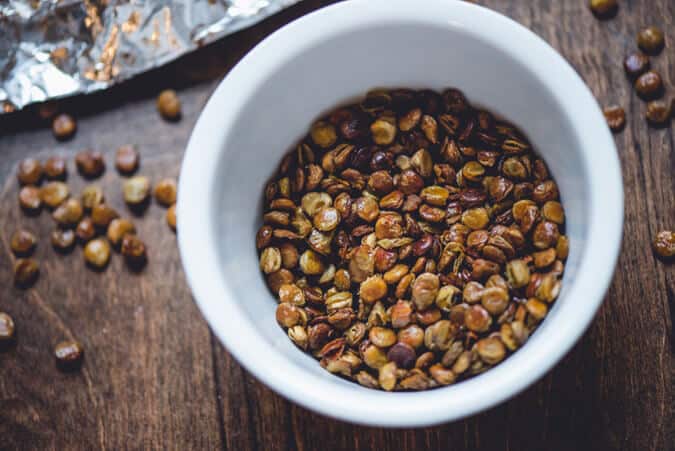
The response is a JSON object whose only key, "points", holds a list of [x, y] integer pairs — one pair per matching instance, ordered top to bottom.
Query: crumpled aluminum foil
{"points": [[57, 48]]}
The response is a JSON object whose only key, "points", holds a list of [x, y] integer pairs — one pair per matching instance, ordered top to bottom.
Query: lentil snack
{"points": [[412, 240]]}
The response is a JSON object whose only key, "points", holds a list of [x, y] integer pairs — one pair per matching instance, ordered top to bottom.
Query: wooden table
{"points": [[156, 377]]}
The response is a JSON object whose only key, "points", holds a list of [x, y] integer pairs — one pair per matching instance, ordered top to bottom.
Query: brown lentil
{"points": [[603, 8], [651, 40], [636, 64], [649, 85], [168, 105], [658, 112], [615, 117], [64, 126], [127, 159], [90, 163], [55, 168], [29, 172], [136, 190], [165, 192], [54, 193], [91, 196], [29, 198], [69, 213], [102, 214], [171, 217], [117, 229], [63, 239], [23, 243], [664, 244], [412, 246], [133, 250], [97, 253], [26, 271], [6, 328], [69, 355]]}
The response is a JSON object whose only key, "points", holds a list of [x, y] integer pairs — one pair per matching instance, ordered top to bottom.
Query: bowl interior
{"points": [[345, 65]]}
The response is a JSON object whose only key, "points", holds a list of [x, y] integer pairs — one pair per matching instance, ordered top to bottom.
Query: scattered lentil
{"points": [[603, 8], [651, 40], [636, 64], [649, 85], [168, 105], [658, 112], [616, 117], [64, 126], [127, 159], [90, 163], [55, 168], [29, 172], [136, 190], [165, 192], [54, 194], [91, 196], [29, 198], [69, 213], [102, 214], [171, 217], [117, 229], [85, 230], [63, 239], [23, 242], [664, 244], [133, 250], [97, 253], [26, 271], [6, 328], [69, 355]]}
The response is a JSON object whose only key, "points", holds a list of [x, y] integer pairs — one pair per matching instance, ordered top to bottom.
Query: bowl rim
{"points": [[210, 287]]}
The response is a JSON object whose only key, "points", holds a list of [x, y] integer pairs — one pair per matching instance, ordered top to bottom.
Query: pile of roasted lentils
{"points": [[412, 240]]}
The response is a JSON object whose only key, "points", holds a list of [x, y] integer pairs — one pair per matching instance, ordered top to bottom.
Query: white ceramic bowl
{"points": [[264, 106]]}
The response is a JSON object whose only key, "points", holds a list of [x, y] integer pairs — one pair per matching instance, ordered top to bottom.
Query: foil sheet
{"points": [[57, 48]]}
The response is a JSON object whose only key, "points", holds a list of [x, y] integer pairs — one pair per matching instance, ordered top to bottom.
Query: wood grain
{"points": [[156, 378]]}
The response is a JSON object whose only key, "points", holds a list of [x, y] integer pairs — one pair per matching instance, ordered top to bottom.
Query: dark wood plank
{"points": [[155, 378]]}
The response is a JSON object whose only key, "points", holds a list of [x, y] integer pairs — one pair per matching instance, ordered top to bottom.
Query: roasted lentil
{"points": [[603, 8], [651, 40], [636, 64], [649, 85], [168, 105], [658, 112], [615, 117], [64, 126], [126, 159], [90, 163], [55, 168], [29, 172], [136, 190], [165, 192], [54, 194], [91, 196], [29, 198], [171, 217], [117, 229], [62, 239], [23, 242], [412, 243], [664, 244], [133, 249], [97, 253], [26, 271], [6, 328], [69, 355]]}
